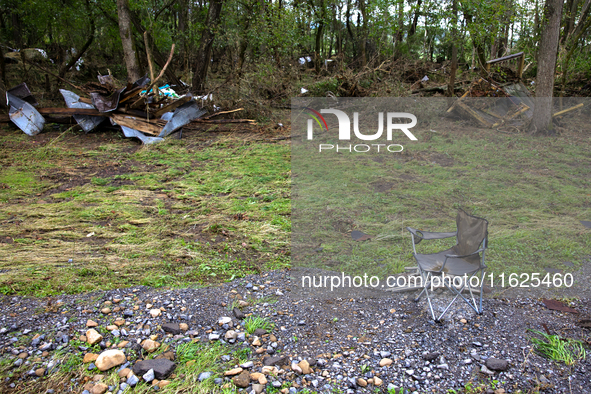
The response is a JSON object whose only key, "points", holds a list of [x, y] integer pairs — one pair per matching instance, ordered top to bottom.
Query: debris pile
{"points": [[492, 105], [141, 109]]}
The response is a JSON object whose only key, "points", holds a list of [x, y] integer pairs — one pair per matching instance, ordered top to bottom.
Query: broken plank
{"points": [[131, 94], [172, 106], [568, 110], [69, 111], [474, 114], [136, 123]]}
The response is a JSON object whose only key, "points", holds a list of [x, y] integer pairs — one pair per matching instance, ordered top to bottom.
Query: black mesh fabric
{"points": [[471, 232]]}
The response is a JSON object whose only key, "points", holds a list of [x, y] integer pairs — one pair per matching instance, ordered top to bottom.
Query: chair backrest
{"points": [[472, 231]]}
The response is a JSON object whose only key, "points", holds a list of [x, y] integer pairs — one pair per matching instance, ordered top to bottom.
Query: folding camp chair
{"points": [[462, 261]]}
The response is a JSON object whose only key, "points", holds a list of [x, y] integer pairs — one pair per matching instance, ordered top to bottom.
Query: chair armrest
{"points": [[431, 235], [455, 256]]}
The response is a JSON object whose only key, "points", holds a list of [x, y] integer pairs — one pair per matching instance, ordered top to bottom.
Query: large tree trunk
{"points": [[204, 53], [133, 69], [542, 118]]}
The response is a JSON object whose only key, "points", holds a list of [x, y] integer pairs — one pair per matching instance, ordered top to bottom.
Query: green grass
{"points": [[533, 191], [181, 213], [253, 323], [562, 350]]}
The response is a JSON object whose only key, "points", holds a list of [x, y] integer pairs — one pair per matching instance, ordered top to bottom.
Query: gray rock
{"points": [[238, 314], [172, 328], [259, 332], [213, 337], [431, 356], [277, 360], [496, 364], [246, 365], [162, 367], [486, 371], [204, 375], [148, 376], [132, 380]]}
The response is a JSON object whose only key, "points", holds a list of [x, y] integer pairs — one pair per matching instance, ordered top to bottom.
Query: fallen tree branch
{"points": [[163, 69], [221, 113], [224, 121]]}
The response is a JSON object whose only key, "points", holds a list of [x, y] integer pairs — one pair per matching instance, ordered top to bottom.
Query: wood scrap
{"points": [[222, 113], [144, 125]]}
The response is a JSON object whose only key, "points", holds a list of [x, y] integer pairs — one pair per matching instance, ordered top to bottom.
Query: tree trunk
{"points": [[183, 16], [413, 26], [363, 35], [454, 49], [204, 53], [317, 59], [133, 69], [2, 80], [542, 117]]}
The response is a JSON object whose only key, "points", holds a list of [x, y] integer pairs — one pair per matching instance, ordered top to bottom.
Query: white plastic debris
{"points": [[425, 79], [304, 91]]}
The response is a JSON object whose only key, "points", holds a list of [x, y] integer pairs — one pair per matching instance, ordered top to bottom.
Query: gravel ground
{"points": [[351, 344]]}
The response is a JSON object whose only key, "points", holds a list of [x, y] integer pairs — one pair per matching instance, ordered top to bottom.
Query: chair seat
{"points": [[433, 263]]}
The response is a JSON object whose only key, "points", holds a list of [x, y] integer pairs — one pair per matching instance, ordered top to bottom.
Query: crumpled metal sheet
{"points": [[143, 81], [22, 91], [106, 103], [24, 115], [181, 116], [87, 123], [129, 133], [359, 236], [558, 306]]}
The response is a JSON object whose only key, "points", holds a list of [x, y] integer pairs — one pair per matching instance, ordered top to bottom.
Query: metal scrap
{"points": [[24, 115], [180, 117], [87, 123], [558, 306]]}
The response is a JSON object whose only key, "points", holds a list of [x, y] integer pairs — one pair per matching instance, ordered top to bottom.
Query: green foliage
{"points": [[252, 323], [554, 347]]}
